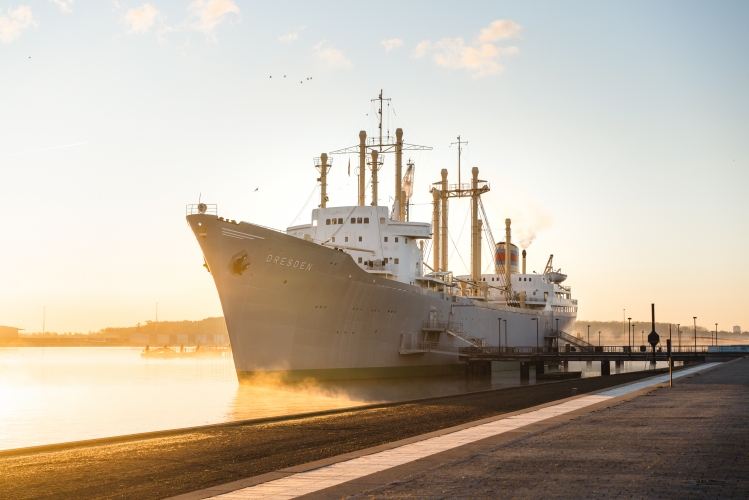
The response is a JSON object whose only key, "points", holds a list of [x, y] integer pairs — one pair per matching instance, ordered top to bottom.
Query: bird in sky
{"points": [[256, 189]]}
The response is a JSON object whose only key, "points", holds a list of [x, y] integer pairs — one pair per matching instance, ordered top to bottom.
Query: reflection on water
{"points": [[54, 395]]}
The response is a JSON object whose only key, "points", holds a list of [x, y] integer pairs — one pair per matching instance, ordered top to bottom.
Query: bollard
{"points": [[574, 391]]}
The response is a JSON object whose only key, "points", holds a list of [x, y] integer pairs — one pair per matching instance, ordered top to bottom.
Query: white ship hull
{"points": [[301, 309]]}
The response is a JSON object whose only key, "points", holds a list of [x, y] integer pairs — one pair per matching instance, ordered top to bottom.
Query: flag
{"points": [[349, 167]]}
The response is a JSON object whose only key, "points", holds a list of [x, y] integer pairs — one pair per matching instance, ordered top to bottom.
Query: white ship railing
{"points": [[201, 208]]}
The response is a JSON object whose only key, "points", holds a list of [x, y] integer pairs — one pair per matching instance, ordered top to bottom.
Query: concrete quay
{"points": [[640, 439], [689, 441]]}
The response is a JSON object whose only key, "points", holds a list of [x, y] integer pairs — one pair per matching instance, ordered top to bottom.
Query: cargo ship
{"points": [[362, 291]]}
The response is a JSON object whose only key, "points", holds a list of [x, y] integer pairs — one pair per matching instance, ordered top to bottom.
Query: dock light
{"points": [[536, 320], [629, 331], [695, 333], [500, 335], [653, 337], [507, 342]]}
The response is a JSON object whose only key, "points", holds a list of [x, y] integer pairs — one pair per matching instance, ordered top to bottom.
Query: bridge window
{"points": [[353, 220], [358, 220], [366, 220], [382, 220], [340, 221], [327, 222], [359, 238], [333, 239], [346, 239], [386, 239], [396, 239], [406, 241], [359, 260], [395, 260]]}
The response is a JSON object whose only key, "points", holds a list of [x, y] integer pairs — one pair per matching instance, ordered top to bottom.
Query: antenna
{"points": [[459, 143]]}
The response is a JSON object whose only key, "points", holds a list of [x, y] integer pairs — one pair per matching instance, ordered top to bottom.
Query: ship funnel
{"points": [[524, 261]]}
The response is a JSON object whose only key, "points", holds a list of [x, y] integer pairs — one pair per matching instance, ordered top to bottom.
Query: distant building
{"points": [[737, 330], [9, 332]]}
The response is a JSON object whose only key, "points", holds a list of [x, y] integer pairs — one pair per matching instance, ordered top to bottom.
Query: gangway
{"points": [[456, 330], [566, 337]]}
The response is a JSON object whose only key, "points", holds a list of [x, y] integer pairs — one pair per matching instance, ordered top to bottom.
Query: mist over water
{"points": [[63, 394]]}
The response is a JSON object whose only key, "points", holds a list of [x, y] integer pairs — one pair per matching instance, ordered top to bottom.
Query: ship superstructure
{"points": [[349, 294]]}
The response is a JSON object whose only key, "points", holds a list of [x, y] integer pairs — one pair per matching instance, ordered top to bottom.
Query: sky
{"points": [[616, 133]]}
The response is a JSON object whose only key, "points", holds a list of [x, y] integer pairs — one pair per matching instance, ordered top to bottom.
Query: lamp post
{"points": [[536, 320], [557, 325], [629, 329], [633, 333], [695, 333], [588, 334], [678, 334], [716, 334], [500, 335], [599, 337], [507, 341]]}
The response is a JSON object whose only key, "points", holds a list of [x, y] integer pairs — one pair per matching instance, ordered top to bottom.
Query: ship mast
{"points": [[459, 143], [371, 153]]}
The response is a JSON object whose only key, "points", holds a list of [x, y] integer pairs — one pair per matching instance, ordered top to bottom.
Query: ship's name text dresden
{"points": [[295, 264]]}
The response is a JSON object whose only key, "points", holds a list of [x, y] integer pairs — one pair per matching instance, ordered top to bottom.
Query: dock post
{"points": [[605, 367], [524, 371]]}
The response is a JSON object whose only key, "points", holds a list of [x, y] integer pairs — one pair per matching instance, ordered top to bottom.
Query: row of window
{"points": [[353, 220], [345, 239], [360, 239], [384, 261], [520, 278]]}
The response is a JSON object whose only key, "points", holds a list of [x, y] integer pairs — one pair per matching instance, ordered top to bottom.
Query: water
{"points": [[62, 394]]}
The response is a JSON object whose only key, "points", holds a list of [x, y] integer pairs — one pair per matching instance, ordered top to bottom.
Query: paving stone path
{"points": [[689, 441]]}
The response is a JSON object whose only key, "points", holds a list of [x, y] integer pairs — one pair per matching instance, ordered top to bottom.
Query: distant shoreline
{"points": [[80, 342]]}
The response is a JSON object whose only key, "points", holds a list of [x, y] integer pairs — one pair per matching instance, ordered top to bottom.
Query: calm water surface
{"points": [[60, 394]]}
